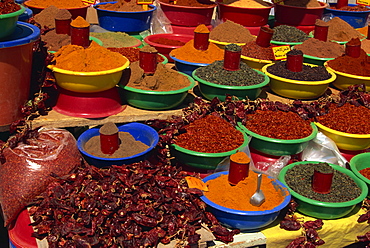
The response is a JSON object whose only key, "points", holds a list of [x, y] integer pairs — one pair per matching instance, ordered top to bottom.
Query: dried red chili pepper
{"points": [[8, 6]]}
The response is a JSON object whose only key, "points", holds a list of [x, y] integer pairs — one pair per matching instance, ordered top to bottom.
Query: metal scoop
{"points": [[258, 197]]}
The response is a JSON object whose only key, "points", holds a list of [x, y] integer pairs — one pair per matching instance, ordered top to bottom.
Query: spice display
{"points": [[190, 3], [247, 3], [302, 3], [65, 4], [122, 5], [8, 6], [351, 8], [63, 14], [46, 18], [80, 22], [201, 29], [339, 30], [231, 32], [288, 34], [115, 39], [54, 41], [167, 41], [365, 45], [321, 49], [252, 50], [131, 53], [190, 54], [93, 58], [215, 73], [163, 79], [341, 118], [278, 125], [210, 134], [31, 164], [365, 172], [343, 188], [237, 197], [137, 205]]}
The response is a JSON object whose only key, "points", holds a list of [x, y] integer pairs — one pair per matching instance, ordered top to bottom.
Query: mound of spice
{"points": [[190, 3], [247, 3], [302, 3], [65, 4], [122, 5], [8, 6], [351, 8], [46, 18], [80, 22], [339, 30], [231, 32], [288, 34], [116, 39], [54, 41], [167, 41], [365, 45], [321, 49], [252, 50], [131, 53], [92, 58], [347, 118], [278, 125], [210, 134], [365, 172], [343, 188], [237, 197]]}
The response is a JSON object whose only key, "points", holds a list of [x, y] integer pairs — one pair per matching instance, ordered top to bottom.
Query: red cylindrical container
{"points": [[341, 3], [63, 26], [321, 32], [80, 36], [264, 36], [201, 41], [353, 50], [232, 60], [148, 61], [294, 62], [109, 143], [238, 169], [321, 182]]}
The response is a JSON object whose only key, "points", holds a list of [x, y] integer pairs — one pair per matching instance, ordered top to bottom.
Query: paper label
{"points": [[144, 1], [89, 2], [363, 2], [280, 52], [197, 183]]}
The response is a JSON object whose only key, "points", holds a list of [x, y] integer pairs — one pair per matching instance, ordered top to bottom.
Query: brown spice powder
{"points": [[340, 30], [232, 32]]}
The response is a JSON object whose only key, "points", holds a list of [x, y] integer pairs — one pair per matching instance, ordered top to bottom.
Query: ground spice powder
{"points": [[190, 3], [247, 3], [59, 4], [122, 5], [46, 18], [80, 22], [201, 29], [339, 30], [231, 32], [116, 39], [321, 49], [252, 50], [131, 53], [365, 172], [237, 197]]}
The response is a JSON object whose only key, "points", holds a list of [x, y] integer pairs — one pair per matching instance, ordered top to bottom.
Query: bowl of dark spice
{"points": [[9, 13], [288, 35], [230, 77], [306, 81], [347, 125], [290, 133], [206, 142], [112, 145], [360, 166], [323, 190]]}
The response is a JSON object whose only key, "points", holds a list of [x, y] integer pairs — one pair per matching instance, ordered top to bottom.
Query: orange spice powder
{"points": [[80, 22], [201, 29], [240, 157]]}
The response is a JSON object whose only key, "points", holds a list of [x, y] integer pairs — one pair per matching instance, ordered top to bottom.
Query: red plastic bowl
{"points": [[75, 12], [186, 15], [298, 16], [249, 17], [186, 30], [255, 30], [166, 49]]}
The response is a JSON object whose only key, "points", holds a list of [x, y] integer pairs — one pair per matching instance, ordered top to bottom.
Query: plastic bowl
{"points": [[75, 12], [188, 15], [298, 16], [249, 17], [357, 19], [120, 21], [8, 22], [176, 29], [282, 43], [222, 44], [166, 49], [314, 60], [256, 64], [185, 66], [344, 80], [88, 82], [296, 89], [211, 90], [156, 100], [139, 131], [346, 141], [278, 147], [201, 160], [359, 162], [325, 210], [246, 220]]}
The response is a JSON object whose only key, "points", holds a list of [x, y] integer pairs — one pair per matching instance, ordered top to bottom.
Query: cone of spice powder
{"points": [[63, 22], [80, 32], [321, 32], [201, 37], [264, 37], [353, 48], [232, 57], [148, 59], [294, 60], [109, 138], [239, 167], [322, 178]]}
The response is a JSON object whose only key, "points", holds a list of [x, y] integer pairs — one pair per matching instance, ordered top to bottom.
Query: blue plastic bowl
{"points": [[27, 14], [357, 19], [120, 21], [186, 66], [139, 131], [246, 220]]}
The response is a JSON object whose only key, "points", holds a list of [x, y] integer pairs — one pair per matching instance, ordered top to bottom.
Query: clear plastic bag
{"points": [[160, 23]]}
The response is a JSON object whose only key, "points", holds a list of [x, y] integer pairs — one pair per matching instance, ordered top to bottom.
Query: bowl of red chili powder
{"points": [[360, 166]]}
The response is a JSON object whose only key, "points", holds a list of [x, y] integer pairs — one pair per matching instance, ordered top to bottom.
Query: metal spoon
{"points": [[258, 197]]}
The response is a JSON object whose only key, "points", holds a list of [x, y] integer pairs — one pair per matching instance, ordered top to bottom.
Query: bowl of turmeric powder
{"points": [[75, 7], [231, 206]]}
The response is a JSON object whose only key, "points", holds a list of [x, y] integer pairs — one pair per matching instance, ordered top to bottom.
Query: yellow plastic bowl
{"points": [[222, 44], [256, 63], [344, 80], [88, 82], [298, 89], [346, 141]]}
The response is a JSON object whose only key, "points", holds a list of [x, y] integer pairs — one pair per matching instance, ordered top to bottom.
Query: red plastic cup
{"points": [[341, 3], [63, 26], [321, 32], [80, 36], [264, 36], [201, 41], [354, 50], [232, 60], [148, 61], [294, 62], [109, 143], [237, 172], [321, 182]]}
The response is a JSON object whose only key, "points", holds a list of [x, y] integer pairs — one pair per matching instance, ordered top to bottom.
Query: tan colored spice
{"points": [[247, 3], [340, 30], [231, 32]]}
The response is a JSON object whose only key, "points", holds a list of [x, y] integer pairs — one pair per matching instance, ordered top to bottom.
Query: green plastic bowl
{"points": [[8, 22], [283, 43], [314, 60], [211, 90], [156, 100], [278, 147], [201, 160], [359, 162], [325, 210]]}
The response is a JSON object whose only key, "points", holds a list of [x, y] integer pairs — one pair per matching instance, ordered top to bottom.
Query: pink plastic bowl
{"points": [[75, 12], [186, 15], [298, 16], [250, 17], [166, 49]]}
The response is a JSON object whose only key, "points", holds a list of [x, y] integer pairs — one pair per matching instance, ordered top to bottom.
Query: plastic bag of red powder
{"points": [[29, 168]]}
